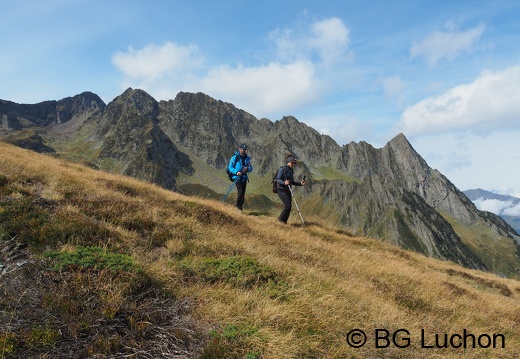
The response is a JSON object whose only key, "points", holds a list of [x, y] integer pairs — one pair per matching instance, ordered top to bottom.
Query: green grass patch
{"points": [[329, 173], [92, 258], [239, 271], [41, 336]]}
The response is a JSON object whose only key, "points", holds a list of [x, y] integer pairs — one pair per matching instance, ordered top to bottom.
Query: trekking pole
{"points": [[229, 190], [298, 208]]}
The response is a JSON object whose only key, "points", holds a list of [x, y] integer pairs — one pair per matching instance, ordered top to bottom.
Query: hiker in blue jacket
{"points": [[240, 166], [285, 178]]}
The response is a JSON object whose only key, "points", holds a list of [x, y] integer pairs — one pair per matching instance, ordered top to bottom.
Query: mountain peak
{"points": [[136, 94], [399, 142]]}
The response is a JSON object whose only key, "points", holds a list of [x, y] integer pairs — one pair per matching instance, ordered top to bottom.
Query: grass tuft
{"points": [[92, 258], [231, 342]]}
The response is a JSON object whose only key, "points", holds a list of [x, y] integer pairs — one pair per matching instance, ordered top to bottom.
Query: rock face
{"points": [[17, 116], [130, 136], [398, 161], [389, 193], [380, 207]]}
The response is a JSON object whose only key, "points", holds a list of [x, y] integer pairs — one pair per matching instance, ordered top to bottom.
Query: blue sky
{"points": [[446, 74]]}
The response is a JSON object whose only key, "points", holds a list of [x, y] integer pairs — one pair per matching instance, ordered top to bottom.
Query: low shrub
{"points": [[92, 258]]}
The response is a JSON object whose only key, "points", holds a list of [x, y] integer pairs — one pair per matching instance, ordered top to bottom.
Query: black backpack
{"points": [[230, 175], [275, 182]]}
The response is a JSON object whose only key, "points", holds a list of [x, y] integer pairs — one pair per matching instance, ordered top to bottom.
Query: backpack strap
{"points": [[234, 159], [284, 176]]}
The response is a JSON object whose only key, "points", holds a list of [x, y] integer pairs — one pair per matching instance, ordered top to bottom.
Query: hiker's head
{"points": [[242, 148], [291, 161]]}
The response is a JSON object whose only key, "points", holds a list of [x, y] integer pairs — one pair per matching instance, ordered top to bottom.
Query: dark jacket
{"points": [[237, 163], [285, 173]]}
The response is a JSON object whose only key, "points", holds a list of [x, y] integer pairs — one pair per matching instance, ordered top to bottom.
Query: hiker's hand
{"points": [[239, 174], [286, 183], [302, 183]]}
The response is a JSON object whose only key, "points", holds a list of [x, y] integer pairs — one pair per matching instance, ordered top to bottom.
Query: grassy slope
{"points": [[497, 252], [257, 288]]}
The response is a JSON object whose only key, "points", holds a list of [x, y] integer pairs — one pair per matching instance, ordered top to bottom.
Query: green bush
{"points": [[93, 258], [239, 271]]}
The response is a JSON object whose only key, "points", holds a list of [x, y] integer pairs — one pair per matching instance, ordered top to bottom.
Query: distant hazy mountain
{"points": [[507, 207]]}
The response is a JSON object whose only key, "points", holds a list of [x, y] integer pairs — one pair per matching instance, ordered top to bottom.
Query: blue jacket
{"points": [[237, 163]]}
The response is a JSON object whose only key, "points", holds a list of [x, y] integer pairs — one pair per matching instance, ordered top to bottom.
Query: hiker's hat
{"points": [[243, 146], [291, 159]]}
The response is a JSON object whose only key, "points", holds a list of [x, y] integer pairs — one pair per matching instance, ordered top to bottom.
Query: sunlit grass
{"points": [[261, 289]]}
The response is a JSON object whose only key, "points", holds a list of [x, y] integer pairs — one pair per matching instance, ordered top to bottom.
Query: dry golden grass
{"points": [[313, 285]]}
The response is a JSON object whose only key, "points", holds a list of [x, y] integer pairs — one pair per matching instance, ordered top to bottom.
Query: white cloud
{"points": [[328, 39], [331, 39], [447, 45], [153, 62], [165, 70], [278, 86], [263, 89], [491, 102], [342, 128], [474, 161], [508, 192], [492, 205], [508, 208], [512, 211]]}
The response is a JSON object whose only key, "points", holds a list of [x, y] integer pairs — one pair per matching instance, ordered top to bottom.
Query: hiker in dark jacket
{"points": [[240, 166], [285, 178]]}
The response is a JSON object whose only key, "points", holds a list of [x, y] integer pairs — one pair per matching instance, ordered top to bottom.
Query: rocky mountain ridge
{"points": [[17, 116], [389, 193]]}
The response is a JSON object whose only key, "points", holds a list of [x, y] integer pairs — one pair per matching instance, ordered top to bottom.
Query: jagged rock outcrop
{"points": [[17, 116], [208, 128], [131, 139], [399, 161], [381, 207]]}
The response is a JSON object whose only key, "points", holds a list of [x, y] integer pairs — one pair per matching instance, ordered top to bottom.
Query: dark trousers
{"points": [[241, 188], [285, 196]]}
